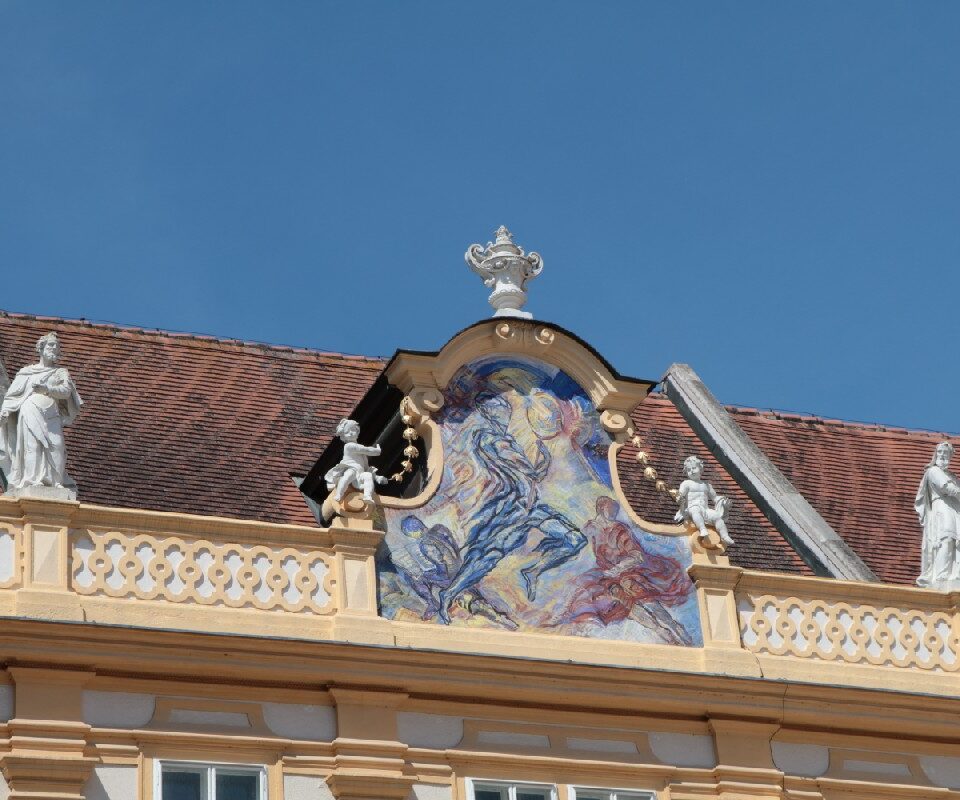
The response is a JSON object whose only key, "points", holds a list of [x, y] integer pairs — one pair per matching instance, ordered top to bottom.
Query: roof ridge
{"points": [[185, 337], [781, 415]]}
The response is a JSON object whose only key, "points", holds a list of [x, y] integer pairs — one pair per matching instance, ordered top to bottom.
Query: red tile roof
{"points": [[194, 424], [668, 440], [861, 478]]}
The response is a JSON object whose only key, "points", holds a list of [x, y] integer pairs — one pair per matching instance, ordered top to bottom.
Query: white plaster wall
{"points": [[6, 703], [117, 709], [222, 719], [313, 723], [429, 730], [602, 745], [684, 749], [804, 760], [942, 770], [112, 783], [304, 787], [4, 789], [430, 791]]}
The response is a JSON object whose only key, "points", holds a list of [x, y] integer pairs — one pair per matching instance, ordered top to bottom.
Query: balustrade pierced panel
{"points": [[9, 557], [198, 571], [838, 631]]}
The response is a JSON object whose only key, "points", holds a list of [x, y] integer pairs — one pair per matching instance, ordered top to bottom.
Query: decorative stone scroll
{"points": [[198, 571], [832, 630]]}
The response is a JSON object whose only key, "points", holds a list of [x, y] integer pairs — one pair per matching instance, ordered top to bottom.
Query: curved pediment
{"points": [[410, 371], [521, 524]]}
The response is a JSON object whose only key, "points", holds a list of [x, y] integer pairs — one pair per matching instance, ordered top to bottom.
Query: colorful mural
{"points": [[525, 531]]}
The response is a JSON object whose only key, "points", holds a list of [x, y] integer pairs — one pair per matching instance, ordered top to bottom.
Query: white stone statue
{"points": [[505, 268], [36, 406], [353, 469], [695, 497], [938, 506]]}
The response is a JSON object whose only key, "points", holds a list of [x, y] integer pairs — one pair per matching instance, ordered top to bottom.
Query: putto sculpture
{"points": [[505, 268], [40, 401], [353, 469], [695, 496], [938, 506]]}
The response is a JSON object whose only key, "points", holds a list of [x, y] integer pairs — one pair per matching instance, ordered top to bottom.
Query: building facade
{"points": [[529, 611]]}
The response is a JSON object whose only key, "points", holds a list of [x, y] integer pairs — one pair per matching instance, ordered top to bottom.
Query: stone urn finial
{"points": [[505, 268]]}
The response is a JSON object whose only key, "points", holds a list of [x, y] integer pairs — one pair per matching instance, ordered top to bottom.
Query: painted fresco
{"points": [[525, 531]]}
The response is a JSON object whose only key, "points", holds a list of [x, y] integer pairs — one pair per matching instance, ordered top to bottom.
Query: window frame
{"points": [[210, 769], [510, 785], [612, 793]]}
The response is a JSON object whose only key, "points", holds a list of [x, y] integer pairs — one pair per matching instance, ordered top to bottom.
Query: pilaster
{"points": [[46, 560], [716, 581], [48, 737], [369, 760], [745, 768]]}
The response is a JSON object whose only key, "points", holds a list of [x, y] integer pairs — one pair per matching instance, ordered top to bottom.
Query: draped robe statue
{"points": [[36, 406], [938, 506]]}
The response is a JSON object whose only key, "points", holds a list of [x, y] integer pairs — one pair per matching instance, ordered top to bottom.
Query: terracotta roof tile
{"points": [[195, 424], [668, 440], [861, 478]]}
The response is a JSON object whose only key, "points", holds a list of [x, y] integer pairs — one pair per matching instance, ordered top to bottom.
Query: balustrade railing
{"points": [[71, 561], [179, 570], [827, 620]]}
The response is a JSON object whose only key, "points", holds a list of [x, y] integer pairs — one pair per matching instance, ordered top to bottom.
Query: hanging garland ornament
{"points": [[410, 452], [650, 473]]}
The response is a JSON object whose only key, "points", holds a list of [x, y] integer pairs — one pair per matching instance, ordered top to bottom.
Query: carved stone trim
{"points": [[422, 377]]}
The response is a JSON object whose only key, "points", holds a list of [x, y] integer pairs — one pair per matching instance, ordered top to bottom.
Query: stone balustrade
{"points": [[69, 561], [180, 570], [847, 622]]}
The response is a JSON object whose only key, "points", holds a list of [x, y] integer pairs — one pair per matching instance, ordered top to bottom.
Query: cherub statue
{"points": [[353, 469], [695, 497]]}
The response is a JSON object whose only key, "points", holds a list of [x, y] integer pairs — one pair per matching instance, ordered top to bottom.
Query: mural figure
{"points": [[354, 469], [526, 487], [696, 495], [938, 507], [512, 510], [444, 561], [628, 581]]}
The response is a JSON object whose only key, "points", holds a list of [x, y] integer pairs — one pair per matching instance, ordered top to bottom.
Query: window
{"points": [[186, 781], [497, 790], [508, 790], [609, 794]]}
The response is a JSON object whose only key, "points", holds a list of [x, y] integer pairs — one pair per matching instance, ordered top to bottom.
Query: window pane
{"points": [[182, 785], [236, 787], [489, 793], [526, 793], [592, 794]]}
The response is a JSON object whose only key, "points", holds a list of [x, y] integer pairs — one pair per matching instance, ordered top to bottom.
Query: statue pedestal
{"points": [[43, 492], [945, 586]]}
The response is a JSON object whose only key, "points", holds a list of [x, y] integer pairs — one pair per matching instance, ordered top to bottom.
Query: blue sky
{"points": [[767, 191]]}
